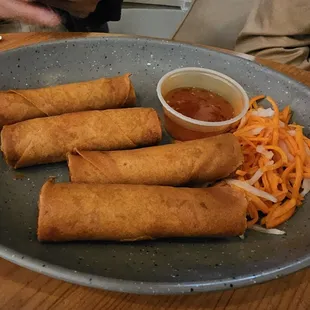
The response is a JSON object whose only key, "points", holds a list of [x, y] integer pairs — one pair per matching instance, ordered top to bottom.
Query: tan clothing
{"points": [[215, 22], [273, 29], [278, 30]]}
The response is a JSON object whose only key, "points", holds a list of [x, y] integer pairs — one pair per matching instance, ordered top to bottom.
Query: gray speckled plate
{"points": [[166, 266]]}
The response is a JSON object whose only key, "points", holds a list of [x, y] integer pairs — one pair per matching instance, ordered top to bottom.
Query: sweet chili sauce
{"points": [[199, 104]]}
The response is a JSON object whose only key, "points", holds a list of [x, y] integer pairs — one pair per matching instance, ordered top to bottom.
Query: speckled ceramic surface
{"points": [[166, 266]]}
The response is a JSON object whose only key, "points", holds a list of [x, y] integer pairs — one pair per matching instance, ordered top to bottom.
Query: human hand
{"points": [[78, 8], [25, 11]]}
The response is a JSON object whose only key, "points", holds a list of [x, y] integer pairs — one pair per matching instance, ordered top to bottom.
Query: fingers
{"points": [[29, 13]]}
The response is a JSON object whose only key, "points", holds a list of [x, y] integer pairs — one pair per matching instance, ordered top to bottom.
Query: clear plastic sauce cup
{"points": [[184, 128]]}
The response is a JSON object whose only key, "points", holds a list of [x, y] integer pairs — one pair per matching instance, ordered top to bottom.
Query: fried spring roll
{"points": [[101, 94], [48, 140], [195, 161], [73, 211]]}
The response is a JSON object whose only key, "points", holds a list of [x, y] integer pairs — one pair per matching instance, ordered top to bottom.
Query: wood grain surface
{"points": [[24, 289]]}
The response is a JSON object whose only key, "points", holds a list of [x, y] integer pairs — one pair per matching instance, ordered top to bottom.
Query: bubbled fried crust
{"points": [[48, 140], [72, 211]]}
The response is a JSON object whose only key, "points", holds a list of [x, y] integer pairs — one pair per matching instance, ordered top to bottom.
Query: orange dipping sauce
{"points": [[199, 104]]}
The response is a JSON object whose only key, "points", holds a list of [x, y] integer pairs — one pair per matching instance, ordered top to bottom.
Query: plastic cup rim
{"points": [[198, 122]]}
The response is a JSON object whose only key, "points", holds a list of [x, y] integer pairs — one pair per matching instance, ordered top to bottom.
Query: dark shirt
{"points": [[107, 10]]}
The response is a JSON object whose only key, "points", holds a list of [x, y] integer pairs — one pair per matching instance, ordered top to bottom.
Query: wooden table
{"points": [[23, 289]]}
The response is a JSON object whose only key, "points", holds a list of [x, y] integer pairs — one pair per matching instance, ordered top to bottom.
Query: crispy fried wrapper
{"points": [[101, 94], [49, 139], [197, 161], [73, 211]]}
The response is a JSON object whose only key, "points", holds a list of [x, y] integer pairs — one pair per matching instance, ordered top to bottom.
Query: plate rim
{"points": [[119, 37], [146, 287], [151, 288]]}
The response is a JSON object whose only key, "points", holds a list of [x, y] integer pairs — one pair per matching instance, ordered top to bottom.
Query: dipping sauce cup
{"points": [[184, 128]]}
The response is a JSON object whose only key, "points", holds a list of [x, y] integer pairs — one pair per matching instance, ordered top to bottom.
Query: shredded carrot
{"points": [[253, 101], [285, 115], [276, 121], [246, 129], [257, 139], [289, 140], [307, 141], [247, 142], [300, 143], [279, 150], [278, 166], [307, 169], [241, 173], [285, 175], [293, 175], [299, 177], [273, 181], [266, 183], [257, 185], [281, 195], [259, 204], [282, 209], [253, 214], [272, 219], [281, 219], [263, 221]]}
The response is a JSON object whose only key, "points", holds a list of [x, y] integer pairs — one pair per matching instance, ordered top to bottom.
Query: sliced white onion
{"points": [[263, 112], [242, 122], [282, 125], [257, 131], [292, 133], [284, 148], [268, 154], [257, 175], [306, 187], [251, 189], [305, 192], [271, 231]]}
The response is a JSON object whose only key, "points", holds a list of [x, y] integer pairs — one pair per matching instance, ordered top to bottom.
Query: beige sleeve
{"points": [[214, 23], [278, 30]]}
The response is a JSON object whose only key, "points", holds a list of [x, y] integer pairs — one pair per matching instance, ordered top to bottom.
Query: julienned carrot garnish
{"points": [[276, 170]]}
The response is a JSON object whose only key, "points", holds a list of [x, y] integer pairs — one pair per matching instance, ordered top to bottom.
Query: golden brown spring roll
{"points": [[101, 94], [48, 140], [195, 161], [76, 211]]}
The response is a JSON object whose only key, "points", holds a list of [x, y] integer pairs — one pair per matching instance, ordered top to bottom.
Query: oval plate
{"points": [[157, 267]]}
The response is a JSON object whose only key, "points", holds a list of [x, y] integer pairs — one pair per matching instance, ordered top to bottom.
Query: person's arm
{"points": [[77, 8], [27, 12], [87, 15], [278, 30]]}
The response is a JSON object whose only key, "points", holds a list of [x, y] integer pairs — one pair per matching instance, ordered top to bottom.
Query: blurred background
{"points": [[155, 18], [162, 19], [218, 24]]}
